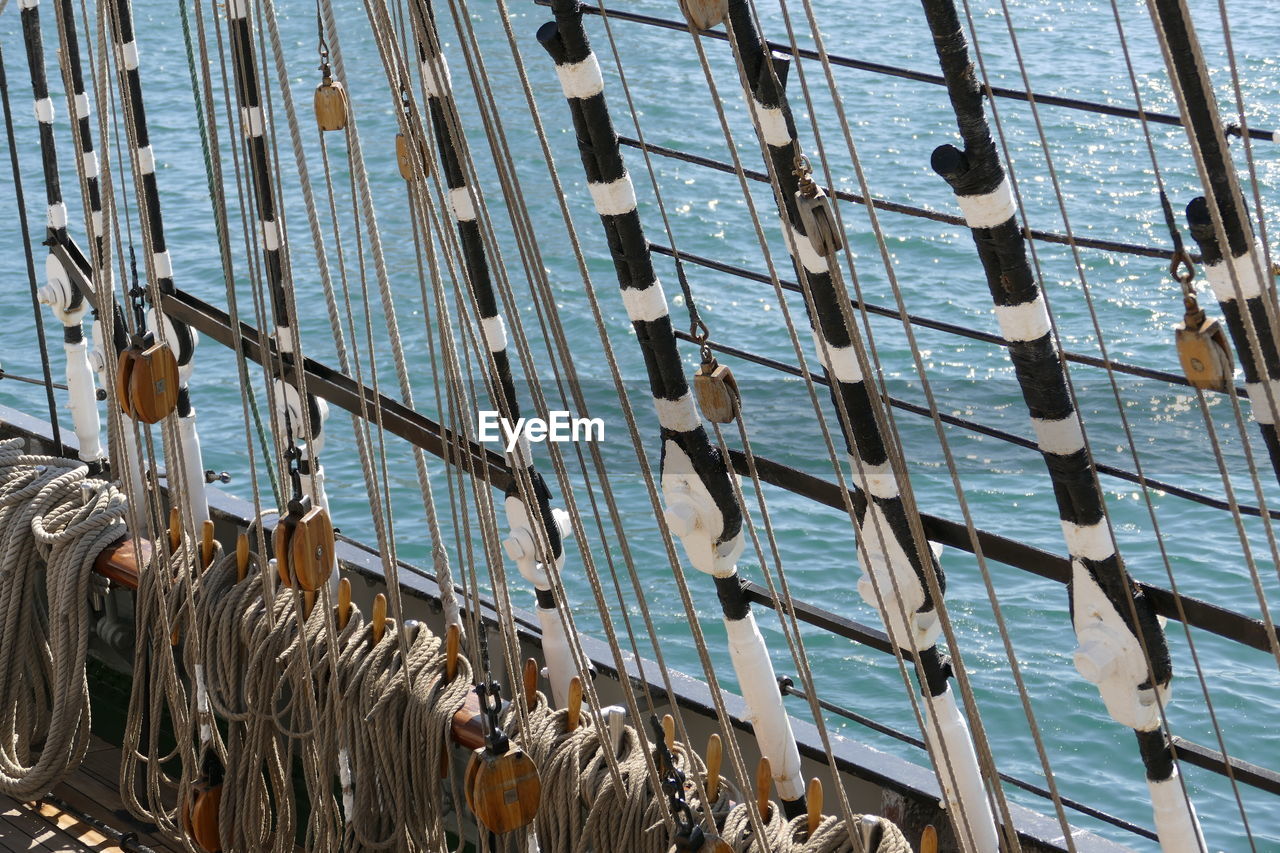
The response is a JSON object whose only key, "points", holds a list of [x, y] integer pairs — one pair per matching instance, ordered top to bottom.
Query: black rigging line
{"points": [[925, 77], [910, 210], [31, 264], [930, 323], [410, 425], [983, 429]]}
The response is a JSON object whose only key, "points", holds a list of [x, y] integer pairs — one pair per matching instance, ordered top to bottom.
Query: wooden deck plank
{"points": [[91, 793], [22, 830]]}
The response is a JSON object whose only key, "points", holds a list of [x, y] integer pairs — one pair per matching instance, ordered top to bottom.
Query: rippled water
{"points": [[1101, 162]]}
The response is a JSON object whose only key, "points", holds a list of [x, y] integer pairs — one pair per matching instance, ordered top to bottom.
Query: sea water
{"points": [[1104, 171]]}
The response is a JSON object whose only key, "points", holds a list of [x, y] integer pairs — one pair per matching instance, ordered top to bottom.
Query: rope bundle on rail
{"points": [[53, 524]]}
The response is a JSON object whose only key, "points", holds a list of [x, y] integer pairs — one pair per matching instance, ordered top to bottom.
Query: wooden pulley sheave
{"points": [[704, 14], [331, 102], [816, 216], [1203, 349], [147, 380], [716, 389], [304, 545], [502, 785], [200, 811]]}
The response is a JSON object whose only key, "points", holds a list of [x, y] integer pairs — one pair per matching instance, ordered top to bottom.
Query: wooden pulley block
{"points": [[704, 14], [331, 105], [404, 158], [819, 222], [1203, 351], [124, 370], [147, 378], [717, 392], [281, 538], [311, 550], [452, 646], [505, 789], [200, 812], [202, 819], [929, 840], [716, 844]]}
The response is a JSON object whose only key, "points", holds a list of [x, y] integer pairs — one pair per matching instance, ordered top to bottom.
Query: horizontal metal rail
{"points": [[911, 210], [937, 325], [410, 425], [983, 429], [419, 430], [788, 688]]}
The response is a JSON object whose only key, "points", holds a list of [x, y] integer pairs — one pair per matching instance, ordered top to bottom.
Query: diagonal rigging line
{"points": [[935, 79], [907, 209], [930, 323], [974, 426]]}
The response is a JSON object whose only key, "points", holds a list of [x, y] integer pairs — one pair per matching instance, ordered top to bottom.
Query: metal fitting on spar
{"points": [[60, 294], [289, 403], [694, 517], [521, 545], [1111, 657]]}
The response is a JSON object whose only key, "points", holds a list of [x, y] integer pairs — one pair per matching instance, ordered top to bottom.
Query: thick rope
{"points": [[53, 524]]}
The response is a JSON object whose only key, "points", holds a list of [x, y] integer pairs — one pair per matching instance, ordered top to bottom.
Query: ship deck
{"points": [[57, 824]]}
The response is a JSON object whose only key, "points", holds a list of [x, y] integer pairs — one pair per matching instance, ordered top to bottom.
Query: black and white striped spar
{"points": [[275, 261], [1243, 265], [60, 292], [107, 332], [179, 335], [701, 507], [521, 543], [892, 562], [1122, 646]]}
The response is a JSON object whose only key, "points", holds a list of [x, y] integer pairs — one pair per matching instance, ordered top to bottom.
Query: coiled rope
{"points": [[53, 524]]}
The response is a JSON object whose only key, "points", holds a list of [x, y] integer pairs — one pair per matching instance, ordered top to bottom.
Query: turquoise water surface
{"points": [[1103, 166]]}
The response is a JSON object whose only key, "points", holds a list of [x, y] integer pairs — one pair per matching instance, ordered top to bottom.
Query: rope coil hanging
{"points": [[54, 522]]}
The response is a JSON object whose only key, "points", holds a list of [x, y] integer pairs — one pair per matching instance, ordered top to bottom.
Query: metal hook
{"points": [[1183, 271]]}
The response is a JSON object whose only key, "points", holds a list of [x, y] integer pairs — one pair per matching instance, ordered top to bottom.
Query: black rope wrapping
{"points": [[123, 32], [1206, 134], [262, 185]]}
